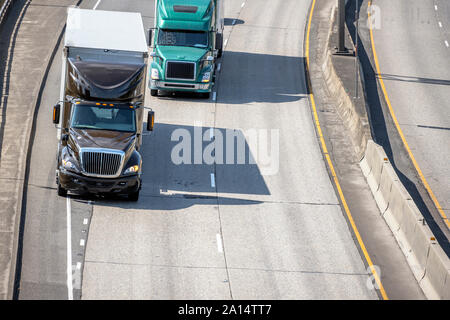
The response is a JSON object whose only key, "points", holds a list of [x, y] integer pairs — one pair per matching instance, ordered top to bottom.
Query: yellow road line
{"points": [[391, 110], [333, 172]]}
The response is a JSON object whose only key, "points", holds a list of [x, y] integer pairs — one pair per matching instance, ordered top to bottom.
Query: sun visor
{"points": [[113, 81]]}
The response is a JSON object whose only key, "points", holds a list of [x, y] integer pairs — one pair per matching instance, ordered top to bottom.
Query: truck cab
{"points": [[187, 39], [101, 108]]}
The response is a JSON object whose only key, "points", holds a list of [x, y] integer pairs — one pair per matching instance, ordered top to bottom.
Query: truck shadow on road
{"points": [[232, 22], [393, 77], [246, 78], [262, 78], [171, 185]]}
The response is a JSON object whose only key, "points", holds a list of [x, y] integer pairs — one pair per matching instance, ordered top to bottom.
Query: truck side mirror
{"points": [[150, 35], [56, 112], [150, 120], [64, 139]]}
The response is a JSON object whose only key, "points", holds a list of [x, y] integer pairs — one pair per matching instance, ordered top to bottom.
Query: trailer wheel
{"points": [[154, 92], [61, 191], [134, 196]]}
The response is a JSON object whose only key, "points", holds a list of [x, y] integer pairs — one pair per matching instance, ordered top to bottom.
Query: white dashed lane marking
{"points": [[96, 5], [213, 181], [219, 243]]}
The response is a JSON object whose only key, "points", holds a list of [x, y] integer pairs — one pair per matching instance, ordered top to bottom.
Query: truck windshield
{"points": [[183, 38], [103, 118]]}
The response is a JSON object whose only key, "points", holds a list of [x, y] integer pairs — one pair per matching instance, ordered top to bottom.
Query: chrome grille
{"points": [[180, 70], [101, 163]]}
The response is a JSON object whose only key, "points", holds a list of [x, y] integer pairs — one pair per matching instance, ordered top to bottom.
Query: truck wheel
{"points": [[219, 53], [154, 92], [205, 95], [61, 191], [134, 196]]}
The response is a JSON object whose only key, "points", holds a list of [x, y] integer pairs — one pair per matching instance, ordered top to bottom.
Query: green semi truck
{"points": [[187, 39]]}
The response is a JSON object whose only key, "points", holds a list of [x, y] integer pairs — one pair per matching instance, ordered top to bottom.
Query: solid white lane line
{"points": [[96, 5], [214, 96], [213, 181], [219, 243], [69, 250]]}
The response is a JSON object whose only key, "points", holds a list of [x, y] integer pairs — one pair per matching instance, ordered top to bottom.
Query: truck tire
{"points": [[219, 44], [154, 92], [205, 95], [61, 191], [134, 196]]}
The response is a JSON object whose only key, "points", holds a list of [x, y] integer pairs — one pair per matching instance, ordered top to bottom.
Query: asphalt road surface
{"points": [[412, 43], [272, 229]]}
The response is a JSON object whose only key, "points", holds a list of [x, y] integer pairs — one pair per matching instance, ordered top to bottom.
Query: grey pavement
{"points": [[249, 235]]}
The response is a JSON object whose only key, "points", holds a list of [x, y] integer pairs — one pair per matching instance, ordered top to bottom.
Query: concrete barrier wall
{"points": [[355, 119], [357, 124], [427, 260]]}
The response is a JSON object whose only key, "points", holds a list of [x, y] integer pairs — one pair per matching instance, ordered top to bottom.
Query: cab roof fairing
{"points": [[168, 18]]}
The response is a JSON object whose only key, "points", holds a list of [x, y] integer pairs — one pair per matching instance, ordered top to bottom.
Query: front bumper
{"points": [[180, 86], [81, 184]]}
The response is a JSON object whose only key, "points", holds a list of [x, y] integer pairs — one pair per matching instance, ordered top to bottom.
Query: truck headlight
{"points": [[155, 74], [206, 77], [67, 164], [132, 169]]}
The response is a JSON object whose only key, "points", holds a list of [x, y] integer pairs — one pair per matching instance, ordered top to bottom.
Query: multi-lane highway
{"points": [[412, 42], [266, 230]]}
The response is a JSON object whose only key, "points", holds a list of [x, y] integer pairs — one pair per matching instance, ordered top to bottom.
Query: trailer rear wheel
{"points": [[154, 92], [134, 196]]}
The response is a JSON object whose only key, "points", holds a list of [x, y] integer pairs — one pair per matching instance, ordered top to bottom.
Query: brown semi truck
{"points": [[101, 107]]}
